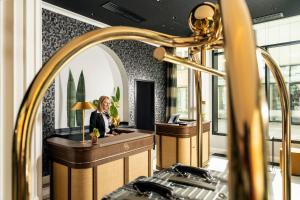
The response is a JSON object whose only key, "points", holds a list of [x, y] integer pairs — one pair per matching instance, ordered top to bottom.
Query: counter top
{"points": [[175, 130], [80, 155]]}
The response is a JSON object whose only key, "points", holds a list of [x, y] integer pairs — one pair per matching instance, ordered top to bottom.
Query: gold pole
{"points": [[194, 53], [161, 54], [203, 62], [198, 80], [41, 82], [198, 87], [286, 123], [245, 125], [83, 126], [247, 176]]}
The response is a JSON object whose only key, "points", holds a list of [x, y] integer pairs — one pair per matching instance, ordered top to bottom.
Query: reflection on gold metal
{"points": [[202, 19], [161, 54], [195, 56], [36, 91], [83, 106], [286, 123], [245, 125], [247, 172]]}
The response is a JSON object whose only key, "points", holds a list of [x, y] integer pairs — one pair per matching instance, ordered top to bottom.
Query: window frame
{"points": [[267, 88], [191, 111]]}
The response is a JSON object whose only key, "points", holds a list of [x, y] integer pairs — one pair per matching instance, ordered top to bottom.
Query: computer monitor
{"points": [[174, 118]]}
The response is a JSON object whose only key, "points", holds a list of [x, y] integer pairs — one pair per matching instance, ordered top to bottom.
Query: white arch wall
{"points": [[119, 69], [103, 72]]}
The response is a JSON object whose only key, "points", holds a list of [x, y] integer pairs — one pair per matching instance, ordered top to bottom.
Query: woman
{"points": [[100, 118]]}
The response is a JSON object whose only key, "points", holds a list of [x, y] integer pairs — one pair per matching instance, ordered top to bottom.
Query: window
{"points": [[287, 54], [288, 57], [182, 91], [185, 93], [221, 99], [295, 102]]}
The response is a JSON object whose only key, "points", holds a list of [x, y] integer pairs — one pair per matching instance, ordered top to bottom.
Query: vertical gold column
{"points": [[194, 53], [203, 62], [198, 88], [246, 122], [286, 123]]}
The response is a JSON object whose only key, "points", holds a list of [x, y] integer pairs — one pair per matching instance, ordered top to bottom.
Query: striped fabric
{"points": [[171, 89]]}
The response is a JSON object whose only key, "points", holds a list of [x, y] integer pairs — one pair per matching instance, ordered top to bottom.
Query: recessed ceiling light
{"points": [[116, 9], [268, 18]]}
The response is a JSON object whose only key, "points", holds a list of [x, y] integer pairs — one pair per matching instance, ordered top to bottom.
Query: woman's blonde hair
{"points": [[101, 99]]}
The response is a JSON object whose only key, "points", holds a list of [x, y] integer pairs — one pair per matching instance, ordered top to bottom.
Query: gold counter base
{"points": [[178, 144], [295, 160]]}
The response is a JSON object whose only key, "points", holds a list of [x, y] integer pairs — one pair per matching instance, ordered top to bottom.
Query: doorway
{"points": [[144, 108]]}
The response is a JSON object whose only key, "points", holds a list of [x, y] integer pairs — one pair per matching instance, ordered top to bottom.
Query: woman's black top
{"points": [[97, 121]]}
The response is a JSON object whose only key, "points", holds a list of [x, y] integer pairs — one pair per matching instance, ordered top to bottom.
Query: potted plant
{"points": [[113, 109], [94, 136]]}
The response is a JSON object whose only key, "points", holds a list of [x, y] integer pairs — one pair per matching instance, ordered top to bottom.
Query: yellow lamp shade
{"points": [[83, 106]]}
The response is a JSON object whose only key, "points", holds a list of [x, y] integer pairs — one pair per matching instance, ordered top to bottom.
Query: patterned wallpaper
{"points": [[136, 57], [140, 65]]}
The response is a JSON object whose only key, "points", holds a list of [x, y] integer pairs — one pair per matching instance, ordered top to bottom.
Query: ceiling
{"points": [[167, 16]]}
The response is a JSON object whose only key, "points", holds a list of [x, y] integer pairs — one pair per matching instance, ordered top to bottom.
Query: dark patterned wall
{"points": [[57, 30], [136, 57], [140, 65]]}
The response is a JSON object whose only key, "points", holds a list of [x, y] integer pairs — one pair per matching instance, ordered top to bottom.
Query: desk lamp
{"points": [[83, 106]]}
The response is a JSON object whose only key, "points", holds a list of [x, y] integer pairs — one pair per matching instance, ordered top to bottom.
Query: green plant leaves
{"points": [[118, 94], [80, 97], [114, 98], [71, 99], [96, 102], [113, 111], [96, 132]]}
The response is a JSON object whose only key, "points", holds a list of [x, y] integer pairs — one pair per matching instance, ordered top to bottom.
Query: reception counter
{"points": [[178, 144], [86, 171]]}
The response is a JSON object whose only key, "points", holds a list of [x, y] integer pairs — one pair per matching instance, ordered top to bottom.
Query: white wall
{"points": [[102, 74]]}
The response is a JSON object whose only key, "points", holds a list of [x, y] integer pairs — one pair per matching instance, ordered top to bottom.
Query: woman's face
{"points": [[105, 105]]}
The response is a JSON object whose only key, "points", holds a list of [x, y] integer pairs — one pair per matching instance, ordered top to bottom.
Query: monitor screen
{"points": [[174, 118]]}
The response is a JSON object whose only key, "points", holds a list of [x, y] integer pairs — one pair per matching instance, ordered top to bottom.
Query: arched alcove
{"points": [[103, 71]]}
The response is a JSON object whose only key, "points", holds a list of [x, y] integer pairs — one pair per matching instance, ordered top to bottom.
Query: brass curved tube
{"points": [[161, 54], [34, 94], [286, 123], [246, 153], [247, 178]]}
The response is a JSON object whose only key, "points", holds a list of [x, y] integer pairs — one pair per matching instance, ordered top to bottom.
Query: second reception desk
{"points": [[178, 144], [86, 171]]}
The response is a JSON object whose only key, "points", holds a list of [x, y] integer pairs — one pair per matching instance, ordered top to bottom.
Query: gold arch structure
{"points": [[161, 54], [247, 165]]}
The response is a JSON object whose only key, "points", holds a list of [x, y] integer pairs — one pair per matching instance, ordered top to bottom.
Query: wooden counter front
{"points": [[178, 144], [86, 171]]}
